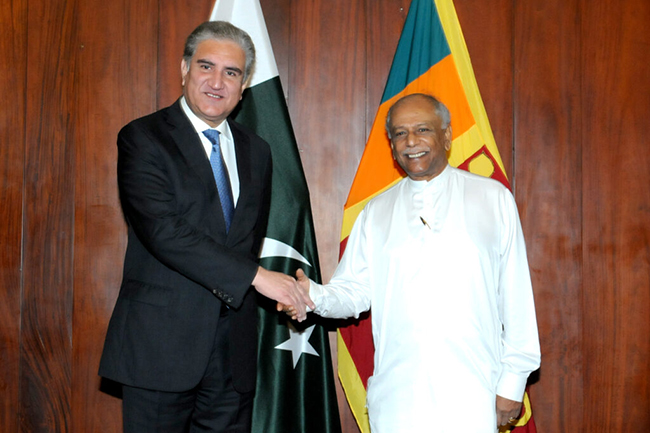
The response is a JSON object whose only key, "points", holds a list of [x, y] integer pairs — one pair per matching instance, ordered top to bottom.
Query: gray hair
{"points": [[221, 30], [439, 108]]}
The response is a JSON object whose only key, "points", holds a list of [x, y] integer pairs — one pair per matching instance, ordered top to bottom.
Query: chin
{"points": [[417, 173]]}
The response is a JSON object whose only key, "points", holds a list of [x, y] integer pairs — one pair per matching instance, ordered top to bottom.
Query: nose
{"points": [[215, 81], [411, 139]]}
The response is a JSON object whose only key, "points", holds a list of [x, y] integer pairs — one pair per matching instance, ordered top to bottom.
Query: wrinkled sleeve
{"points": [[348, 292], [521, 350]]}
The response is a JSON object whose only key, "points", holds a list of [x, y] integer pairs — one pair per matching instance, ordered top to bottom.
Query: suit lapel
{"points": [[189, 143], [190, 146], [243, 152]]}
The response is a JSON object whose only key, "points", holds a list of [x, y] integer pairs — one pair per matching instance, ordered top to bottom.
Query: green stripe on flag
{"points": [[423, 43]]}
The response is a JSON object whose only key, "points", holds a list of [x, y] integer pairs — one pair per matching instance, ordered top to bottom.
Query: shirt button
{"points": [[214, 292]]}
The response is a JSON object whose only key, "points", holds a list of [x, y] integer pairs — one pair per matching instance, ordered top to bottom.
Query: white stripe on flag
{"points": [[247, 15]]}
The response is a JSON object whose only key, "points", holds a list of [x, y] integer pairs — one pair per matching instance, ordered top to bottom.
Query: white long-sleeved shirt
{"points": [[443, 266]]}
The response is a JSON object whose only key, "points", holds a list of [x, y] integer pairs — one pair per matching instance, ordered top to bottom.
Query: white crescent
{"points": [[275, 248]]}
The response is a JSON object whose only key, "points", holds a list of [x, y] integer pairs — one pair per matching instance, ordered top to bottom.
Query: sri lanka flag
{"points": [[432, 58]]}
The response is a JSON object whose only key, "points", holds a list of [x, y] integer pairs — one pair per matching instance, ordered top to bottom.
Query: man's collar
{"points": [[200, 125]]}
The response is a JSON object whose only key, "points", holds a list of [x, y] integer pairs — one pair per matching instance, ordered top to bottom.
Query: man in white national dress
{"points": [[440, 257]]}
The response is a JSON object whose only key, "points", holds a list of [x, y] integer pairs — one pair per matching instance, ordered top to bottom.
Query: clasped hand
{"points": [[285, 290], [293, 310]]}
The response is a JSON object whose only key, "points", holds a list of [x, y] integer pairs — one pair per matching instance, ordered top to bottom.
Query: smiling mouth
{"points": [[212, 95], [416, 155]]}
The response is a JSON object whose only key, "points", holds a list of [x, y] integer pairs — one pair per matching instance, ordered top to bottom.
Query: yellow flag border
{"points": [[458, 47], [355, 392]]}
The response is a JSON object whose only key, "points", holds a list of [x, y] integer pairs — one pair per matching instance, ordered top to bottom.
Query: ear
{"points": [[185, 68], [244, 85], [448, 138]]}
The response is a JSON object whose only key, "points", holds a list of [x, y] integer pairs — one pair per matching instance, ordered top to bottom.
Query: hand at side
{"points": [[507, 410]]}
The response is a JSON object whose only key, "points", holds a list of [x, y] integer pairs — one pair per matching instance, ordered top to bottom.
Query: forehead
{"points": [[220, 49], [413, 111]]}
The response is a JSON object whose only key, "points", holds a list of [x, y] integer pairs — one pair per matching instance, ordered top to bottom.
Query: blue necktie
{"points": [[221, 177]]}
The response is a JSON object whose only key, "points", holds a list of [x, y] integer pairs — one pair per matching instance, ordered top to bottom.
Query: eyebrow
{"points": [[205, 62], [228, 68], [234, 69], [417, 125]]}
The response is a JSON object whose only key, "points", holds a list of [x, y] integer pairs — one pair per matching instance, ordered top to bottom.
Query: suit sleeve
{"points": [[148, 183]]}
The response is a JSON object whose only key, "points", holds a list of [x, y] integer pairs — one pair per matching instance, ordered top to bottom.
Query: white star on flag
{"points": [[298, 343]]}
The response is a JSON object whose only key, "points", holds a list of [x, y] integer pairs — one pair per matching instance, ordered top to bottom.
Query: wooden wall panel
{"points": [[177, 20], [384, 22], [13, 40], [115, 82], [327, 106], [548, 187], [616, 216], [46, 322]]}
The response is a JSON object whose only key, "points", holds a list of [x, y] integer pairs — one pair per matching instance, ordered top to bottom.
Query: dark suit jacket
{"points": [[180, 264]]}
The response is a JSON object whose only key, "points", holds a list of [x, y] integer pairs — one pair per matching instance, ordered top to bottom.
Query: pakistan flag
{"points": [[295, 387]]}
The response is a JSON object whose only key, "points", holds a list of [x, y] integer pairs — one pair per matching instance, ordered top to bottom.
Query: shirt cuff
{"points": [[315, 293], [512, 386]]}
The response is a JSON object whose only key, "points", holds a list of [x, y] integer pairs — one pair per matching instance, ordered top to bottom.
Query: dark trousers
{"points": [[213, 406]]}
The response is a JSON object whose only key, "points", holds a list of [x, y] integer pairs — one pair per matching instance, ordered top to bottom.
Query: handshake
{"points": [[291, 294]]}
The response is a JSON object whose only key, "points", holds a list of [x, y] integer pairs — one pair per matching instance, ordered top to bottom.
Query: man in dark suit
{"points": [[195, 190]]}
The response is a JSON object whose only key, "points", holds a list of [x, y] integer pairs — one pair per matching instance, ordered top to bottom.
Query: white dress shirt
{"points": [[226, 142]]}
